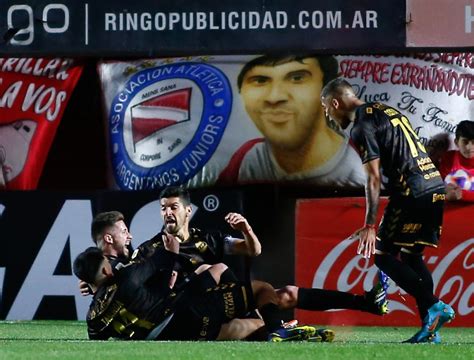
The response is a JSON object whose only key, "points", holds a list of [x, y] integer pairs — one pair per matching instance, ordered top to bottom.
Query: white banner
{"points": [[226, 120]]}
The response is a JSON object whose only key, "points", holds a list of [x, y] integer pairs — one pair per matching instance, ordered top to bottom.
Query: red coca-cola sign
{"points": [[327, 258]]}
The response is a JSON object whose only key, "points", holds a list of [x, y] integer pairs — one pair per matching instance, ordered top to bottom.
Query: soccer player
{"points": [[412, 220], [199, 247], [134, 301]]}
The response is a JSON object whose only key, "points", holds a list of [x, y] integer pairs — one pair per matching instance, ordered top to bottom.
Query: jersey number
{"points": [[410, 135]]}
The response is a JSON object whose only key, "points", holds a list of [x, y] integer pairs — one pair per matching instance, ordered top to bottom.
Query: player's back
{"points": [[381, 131]]}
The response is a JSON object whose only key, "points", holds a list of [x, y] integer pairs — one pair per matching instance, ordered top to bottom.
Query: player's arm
{"points": [[367, 235], [249, 245], [161, 260]]}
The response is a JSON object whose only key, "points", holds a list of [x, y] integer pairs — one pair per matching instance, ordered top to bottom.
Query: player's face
{"points": [[282, 101], [338, 108], [466, 147], [175, 215], [121, 238]]}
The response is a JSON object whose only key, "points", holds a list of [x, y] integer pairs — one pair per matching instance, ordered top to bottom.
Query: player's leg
{"points": [[419, 222], [414, 258], [321, 299], [239, 329]]}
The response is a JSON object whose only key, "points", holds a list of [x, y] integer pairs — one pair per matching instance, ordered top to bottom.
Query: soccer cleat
{"points": [[384, 281], [377, 302], [438, 314], [289, 324], [296, 333], [323, 335], [434, 338]]}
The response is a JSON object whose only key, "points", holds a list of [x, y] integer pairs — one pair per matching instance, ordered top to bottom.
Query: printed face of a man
{"points": [[283, 101], [175, 214]]}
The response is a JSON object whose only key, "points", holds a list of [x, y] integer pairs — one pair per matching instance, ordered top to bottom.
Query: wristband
{"points": [[369, 226]]}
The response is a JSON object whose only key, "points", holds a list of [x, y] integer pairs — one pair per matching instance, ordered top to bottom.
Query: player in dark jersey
{"points": [[391, 150], [200, 247], [127, 305]]}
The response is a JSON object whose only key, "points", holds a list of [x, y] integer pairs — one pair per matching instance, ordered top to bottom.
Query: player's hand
{"points": [[453, 192], [238, 222], [367, 237], [171, 243], [85, 288]]}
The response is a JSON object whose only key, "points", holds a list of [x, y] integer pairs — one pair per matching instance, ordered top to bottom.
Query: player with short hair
{"points": [[388, 145], [457, 166]]}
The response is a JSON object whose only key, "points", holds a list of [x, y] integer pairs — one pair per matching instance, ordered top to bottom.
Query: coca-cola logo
{"points": [[342, 268]]}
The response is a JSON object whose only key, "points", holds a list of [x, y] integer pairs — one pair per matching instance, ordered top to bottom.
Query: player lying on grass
{"points": [[135, 301]]}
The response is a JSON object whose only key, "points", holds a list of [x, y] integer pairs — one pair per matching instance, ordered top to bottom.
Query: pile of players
{"points": [[175, 286]]}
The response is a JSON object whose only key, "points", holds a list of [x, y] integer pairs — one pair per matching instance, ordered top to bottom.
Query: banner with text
{"points": [[169, 28], [453, 29], [435, 91], [33, 96], [226, 120], [326, 258]]}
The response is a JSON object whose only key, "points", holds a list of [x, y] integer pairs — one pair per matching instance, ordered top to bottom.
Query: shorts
{"points": [[411, 222], [204, 310]]}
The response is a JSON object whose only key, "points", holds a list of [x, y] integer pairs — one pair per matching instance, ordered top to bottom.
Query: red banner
{"points": [[33, 96], [326, 258]]}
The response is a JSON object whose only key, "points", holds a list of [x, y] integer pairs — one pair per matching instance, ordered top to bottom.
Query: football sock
{"points": [[415, 261], [408, 279], [321, 299], [271, 316]]}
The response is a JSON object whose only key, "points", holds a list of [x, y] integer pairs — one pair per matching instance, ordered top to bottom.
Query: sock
{"points": [[415, 261], [408, 279], [320, 299], [271, 316]]}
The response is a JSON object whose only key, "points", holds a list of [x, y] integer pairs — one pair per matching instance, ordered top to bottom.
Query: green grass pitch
{"points": [[68, 340]]}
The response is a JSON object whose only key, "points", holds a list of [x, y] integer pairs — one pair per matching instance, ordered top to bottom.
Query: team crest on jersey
{"points": [[166, 123]]}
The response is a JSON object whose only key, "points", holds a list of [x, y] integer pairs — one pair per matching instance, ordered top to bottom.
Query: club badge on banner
{"points": [[33, 96], [227, 120], [326, 258]]}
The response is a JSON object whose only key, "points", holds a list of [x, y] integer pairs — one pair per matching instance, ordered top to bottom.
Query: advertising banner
{"points": [[186, 27], [455, 28], [33, 96], [227, 120], [42, 233], [326, 258]]}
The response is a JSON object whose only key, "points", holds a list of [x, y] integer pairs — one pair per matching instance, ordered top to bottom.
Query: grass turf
{"points": [[68, 340]]}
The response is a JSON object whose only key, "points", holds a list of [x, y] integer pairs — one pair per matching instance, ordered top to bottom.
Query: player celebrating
{"points": [[413, 217]]}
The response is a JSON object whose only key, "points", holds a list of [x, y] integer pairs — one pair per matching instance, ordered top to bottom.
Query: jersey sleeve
{"points": [[363, 135], [160, 261]]}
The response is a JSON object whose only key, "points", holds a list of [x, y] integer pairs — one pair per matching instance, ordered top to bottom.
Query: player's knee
{"points": [[202, 268], [219, 268], [216, 271]]}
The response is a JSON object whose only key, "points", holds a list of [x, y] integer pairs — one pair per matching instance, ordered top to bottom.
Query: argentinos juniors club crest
{"points": [[166, 123]]}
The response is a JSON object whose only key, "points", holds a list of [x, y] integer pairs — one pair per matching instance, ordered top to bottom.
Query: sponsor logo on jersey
{"points": [[166, 123]]}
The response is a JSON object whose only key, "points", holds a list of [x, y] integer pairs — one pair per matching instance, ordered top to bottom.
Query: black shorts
{"points": [[410, 222], [204, 310]]}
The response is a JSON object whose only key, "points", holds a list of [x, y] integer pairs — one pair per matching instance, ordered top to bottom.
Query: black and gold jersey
{"points": [[381, 131], [201, 248], [129, 306]]}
